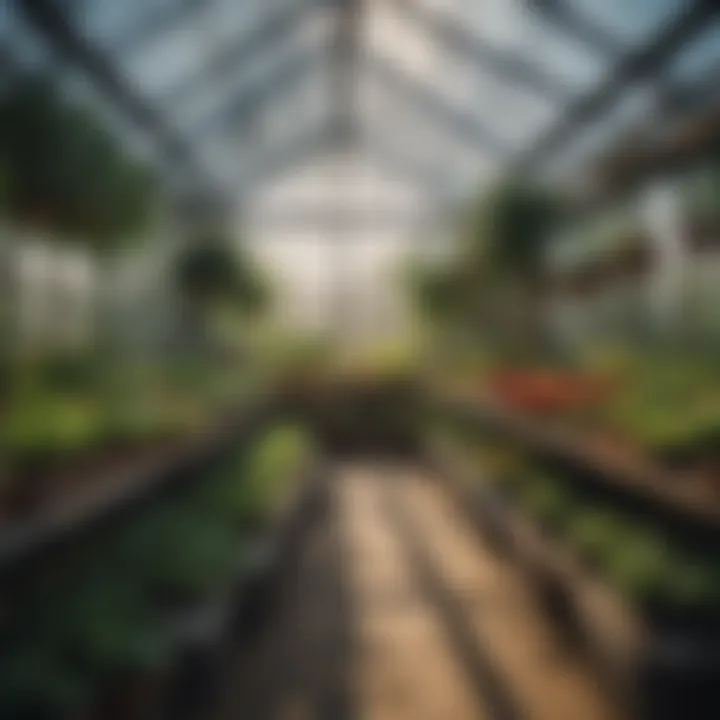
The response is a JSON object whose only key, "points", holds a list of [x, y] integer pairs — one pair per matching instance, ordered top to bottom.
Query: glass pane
{"points": [[631, 22], [700, 58]]}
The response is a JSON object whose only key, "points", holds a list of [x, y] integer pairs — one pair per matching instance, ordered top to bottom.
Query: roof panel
{"points": [[631, 22], [515, 27], [699, 59], [509, 69]]}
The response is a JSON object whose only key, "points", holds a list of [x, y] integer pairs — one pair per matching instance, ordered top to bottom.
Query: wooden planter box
{"points": [[208, 635], [656, 669]]}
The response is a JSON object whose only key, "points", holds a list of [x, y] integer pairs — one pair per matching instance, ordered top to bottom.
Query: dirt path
{"points": [[398, 613]]}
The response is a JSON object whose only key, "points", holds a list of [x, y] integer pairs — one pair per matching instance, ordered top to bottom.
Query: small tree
{"points": [[212, 274]]}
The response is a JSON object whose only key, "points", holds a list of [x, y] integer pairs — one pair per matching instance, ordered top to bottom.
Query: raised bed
{"points": [[128, 487], [641, 488], [198, 629], [208, 635], [658, 666]]}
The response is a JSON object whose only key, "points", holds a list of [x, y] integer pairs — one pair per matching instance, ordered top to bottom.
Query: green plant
{"points": [[68, 173], [43, 430], [267, 473], [548, 500], [597, 534], [179, 552], [642, 568], [694, 586], [107, 623], [36, 683]]}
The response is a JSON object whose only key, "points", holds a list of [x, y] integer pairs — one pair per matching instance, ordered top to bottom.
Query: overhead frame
{"points": [[562, 14], [49, 18], [154, 23], [274, 27], [640, 63], [511, 68]]}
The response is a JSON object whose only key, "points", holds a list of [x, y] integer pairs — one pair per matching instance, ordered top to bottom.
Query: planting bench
{"points": [[657, 667]]}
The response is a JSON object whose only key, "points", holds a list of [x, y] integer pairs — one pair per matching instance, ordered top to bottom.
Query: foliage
{"points": [[66, 172], [510, 227], [210, 271], [437, 292], [667, 403], [48, 429], [251, 489], [548, 500], [596, 533], [179, 552], [643, 568], [106, 623], [36, 683]]}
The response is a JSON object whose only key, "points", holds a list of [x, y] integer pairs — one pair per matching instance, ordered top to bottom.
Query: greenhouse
{"points": [[359, 359]]}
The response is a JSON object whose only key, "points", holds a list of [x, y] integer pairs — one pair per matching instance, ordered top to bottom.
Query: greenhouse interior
{"points": [[380, 381]]}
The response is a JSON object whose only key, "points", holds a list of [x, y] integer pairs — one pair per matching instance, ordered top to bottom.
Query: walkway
{"points": [[397, 612]]}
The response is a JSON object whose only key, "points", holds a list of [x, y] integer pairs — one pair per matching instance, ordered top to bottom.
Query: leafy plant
{"points": [[67, 172], [43, 430], [266, 473], [548, 500], [597, 534], [180, 552], [643, 567], [107, 623], [36, 683]]}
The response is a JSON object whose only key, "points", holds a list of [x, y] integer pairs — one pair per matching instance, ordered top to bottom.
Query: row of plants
{"points": [[661, 403], [655, 404], [669, 405], [656, 411], [76, 417], [662, 576], [101, 629]]}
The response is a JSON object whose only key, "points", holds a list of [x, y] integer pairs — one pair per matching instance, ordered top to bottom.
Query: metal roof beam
{"points": [[566, 17], [50, 19], [153, 24], [274, 27], [641, 63], [509, 67], [239, 109], [274, 157]]}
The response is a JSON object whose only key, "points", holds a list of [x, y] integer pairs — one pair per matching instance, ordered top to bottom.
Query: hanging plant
{"points": [[69, 175], [505, 242]]}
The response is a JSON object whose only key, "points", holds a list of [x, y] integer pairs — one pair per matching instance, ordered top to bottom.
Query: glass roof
{"points": [[443, 93]]}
